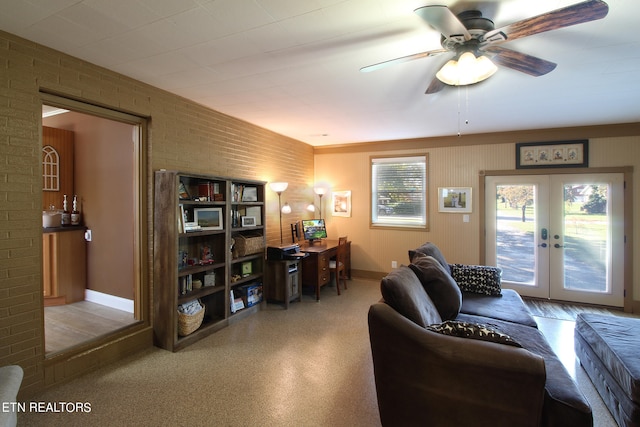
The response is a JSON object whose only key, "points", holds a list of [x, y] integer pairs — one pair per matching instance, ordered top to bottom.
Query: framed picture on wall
{"points": [[559, 154], [454, 199], [341, 203]]}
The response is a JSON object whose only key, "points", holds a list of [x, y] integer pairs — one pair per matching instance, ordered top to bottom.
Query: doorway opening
{"points": [[558, 236], [92, 268]]}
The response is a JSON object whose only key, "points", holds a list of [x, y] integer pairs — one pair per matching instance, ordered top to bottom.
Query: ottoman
{"points": [[609, 351]]}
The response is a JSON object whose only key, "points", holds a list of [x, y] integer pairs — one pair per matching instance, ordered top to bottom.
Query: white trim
{"points": [[109, 300]]}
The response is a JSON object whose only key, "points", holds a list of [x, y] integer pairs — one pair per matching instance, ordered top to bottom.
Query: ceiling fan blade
{"points": [[579, 13], [445, 21], [402, 59], [520, 61], [435, 86]]}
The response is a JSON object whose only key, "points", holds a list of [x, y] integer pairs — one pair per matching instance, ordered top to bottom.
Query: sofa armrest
{"points": [[480, 279], [425, 378], [10, 381]]}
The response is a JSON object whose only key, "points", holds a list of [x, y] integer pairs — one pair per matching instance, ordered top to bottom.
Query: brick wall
{"points": [[181, 135]]}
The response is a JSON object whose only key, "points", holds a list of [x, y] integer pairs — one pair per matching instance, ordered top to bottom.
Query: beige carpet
{"points": [[306, 366]]}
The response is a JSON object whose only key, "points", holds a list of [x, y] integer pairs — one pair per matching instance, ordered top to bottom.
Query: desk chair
{"points": [[338, 266]]}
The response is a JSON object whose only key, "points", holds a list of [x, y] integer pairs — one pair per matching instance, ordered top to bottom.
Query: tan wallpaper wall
{"points": [[182, 135], [374, 250]]}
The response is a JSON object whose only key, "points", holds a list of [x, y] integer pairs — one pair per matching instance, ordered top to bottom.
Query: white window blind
{"points": [[399, 191]]}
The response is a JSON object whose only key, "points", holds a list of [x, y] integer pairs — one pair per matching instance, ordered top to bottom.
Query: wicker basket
{"points": [[247, 245], [189, 323]]}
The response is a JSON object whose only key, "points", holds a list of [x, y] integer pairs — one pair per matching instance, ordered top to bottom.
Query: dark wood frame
{"points": [[557, 154]]}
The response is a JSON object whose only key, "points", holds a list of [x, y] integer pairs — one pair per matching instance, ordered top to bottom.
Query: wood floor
{"points": [[565, 310], [71, 324]]}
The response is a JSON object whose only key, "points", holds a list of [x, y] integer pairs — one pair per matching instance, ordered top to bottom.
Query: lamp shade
{"points": [[466, 70], [278, 187], [320, 191], [311, 207], [286, 209]]}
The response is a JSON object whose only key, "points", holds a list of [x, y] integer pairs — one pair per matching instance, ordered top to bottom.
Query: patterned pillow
{"points": [[479, 279], [474, 331]]}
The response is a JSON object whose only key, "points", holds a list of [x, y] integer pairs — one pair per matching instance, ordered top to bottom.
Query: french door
{"points": [[558, 236]]}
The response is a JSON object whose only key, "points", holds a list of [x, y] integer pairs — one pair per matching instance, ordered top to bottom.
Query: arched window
{"points": [[50, 169]]}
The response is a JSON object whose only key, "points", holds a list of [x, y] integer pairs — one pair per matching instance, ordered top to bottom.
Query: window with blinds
{"points": [[399, 191]]}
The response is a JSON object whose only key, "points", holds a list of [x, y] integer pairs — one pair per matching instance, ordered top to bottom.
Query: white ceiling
{"points": [[292, 66]]}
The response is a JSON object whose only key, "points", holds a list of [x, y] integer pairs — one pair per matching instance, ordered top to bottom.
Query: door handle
{"points": [[543, 245], [558, 245]]}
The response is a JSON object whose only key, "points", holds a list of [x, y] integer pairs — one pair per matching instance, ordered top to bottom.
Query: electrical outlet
{"points": [[394, 264]]}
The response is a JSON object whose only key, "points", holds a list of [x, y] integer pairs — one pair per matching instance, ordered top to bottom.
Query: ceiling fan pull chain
{"points": [[459, 111], [466, 113], [466, 121]]}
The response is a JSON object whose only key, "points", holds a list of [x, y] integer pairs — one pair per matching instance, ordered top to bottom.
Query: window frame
{"points": [[50, 169], [374, 221]]}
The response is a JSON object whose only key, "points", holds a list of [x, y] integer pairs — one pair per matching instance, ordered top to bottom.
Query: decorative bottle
{"points": [[75, 213], [65, 220]]}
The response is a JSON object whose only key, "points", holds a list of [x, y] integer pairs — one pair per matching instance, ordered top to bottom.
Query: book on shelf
{"points": [[236, 192], [185, 284], [237, 304]]}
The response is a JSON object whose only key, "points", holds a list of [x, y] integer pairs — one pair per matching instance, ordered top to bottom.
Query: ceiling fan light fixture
{"points": [[466, 70]]}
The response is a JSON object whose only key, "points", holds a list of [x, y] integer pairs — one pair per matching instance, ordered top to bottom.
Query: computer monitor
{"points": [[314, 229]]}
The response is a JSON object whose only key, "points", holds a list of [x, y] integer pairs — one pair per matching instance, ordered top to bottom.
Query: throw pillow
{"points": [[431, 250], [479, 279], [440, 286], [402, 290], [472, 330]]}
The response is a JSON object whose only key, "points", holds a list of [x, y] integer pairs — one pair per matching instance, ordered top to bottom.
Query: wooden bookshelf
{"points": [[197, 220]]}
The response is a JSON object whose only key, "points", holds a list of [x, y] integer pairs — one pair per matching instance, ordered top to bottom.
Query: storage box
{"points": [[247, 245], [252, 294]]}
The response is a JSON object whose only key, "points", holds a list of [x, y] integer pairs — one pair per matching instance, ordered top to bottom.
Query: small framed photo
{"points": [[250, 194], [454, 199], [341, 203], [208, 218], [248, 221], [247, 269]]}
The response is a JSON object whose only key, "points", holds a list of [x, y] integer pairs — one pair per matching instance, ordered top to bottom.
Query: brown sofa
{"points": [[465, 352]]}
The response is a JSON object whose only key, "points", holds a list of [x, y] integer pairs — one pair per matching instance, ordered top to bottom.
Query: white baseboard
{"points": [[109, 300]]}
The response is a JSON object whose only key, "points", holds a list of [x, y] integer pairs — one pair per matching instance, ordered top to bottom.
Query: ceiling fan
{"points": [[474, 40]]}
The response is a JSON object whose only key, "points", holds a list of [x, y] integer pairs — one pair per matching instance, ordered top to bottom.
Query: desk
{"points": [[315, 267]]}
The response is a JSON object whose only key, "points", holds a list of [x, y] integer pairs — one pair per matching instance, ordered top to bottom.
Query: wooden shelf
{"points": [[194, 269], [173, 283], [199, 293], [208, 327]]}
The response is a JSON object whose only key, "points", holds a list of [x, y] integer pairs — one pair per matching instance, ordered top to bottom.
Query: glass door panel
{"points": [[516, 227], [558, 236], [587, 245]]}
